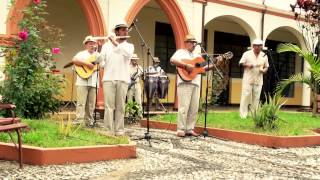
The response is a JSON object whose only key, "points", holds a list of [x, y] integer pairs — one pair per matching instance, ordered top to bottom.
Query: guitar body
{"points": [[198, 63], [83, 71], [189, 76]]}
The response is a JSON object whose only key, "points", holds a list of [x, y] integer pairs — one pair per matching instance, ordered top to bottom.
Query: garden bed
{"points": [[294, 130], [43, 145]]}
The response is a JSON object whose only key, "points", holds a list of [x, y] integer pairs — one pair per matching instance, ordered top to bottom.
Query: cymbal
{"points": [[68, 65]]}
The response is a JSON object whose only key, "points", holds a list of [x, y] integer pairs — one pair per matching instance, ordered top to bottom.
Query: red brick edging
{"points": [[247, 137], [46, 156]]}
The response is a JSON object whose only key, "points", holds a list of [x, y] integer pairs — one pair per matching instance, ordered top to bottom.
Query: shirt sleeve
{"points": [[78, 56], [176, 56], [102, 57], [243, 58], [266, 63]]}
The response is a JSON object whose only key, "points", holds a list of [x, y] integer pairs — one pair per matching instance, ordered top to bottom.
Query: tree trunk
{"points": [[315, 103]]}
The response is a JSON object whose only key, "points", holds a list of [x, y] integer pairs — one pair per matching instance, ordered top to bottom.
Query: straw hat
{"points": [[121, 24], [190, 38], [88, 39], [257, 42], [134, 57]]}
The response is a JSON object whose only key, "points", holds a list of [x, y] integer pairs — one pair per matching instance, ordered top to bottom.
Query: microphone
{"points": [[132, 24]]}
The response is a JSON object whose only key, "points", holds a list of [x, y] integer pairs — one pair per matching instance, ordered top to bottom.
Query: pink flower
{"points": [[37, 1], [23, 35], [55, 50]]}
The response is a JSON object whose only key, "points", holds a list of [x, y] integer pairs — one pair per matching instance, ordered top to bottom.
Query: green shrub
{"points": [[30, 83], [133, 112], [266, 115]]}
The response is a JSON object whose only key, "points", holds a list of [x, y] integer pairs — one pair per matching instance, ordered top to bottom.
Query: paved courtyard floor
{"points": [[170, 157]]}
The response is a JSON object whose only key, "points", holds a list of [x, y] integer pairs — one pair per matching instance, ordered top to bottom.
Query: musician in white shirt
{"points": [[116, 55], [255, 63], [156, 71], [86, 88], [134, 89], [188, 92]]}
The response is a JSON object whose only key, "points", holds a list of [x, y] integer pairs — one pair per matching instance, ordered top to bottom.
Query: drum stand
{"points": [[210, 61], [161, 104]]}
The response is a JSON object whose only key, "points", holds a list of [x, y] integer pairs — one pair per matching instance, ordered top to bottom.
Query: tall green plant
{"points": [[311, 80], [30, 84], [266, 115]]}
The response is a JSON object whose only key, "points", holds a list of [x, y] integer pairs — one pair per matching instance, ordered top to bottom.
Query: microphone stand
{"points": [[210, 61], [147, 135]]}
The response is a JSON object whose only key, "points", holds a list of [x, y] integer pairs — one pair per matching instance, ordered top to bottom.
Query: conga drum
{"points": [[150, 86], [163, 86]]}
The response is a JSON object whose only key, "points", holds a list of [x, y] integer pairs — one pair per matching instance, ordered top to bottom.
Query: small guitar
{"points": [[199, 63], [85, 72]]}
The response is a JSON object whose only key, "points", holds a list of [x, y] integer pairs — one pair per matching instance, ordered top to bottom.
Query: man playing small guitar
{"points": [[86, 87], [134, 88], [188, 91]]}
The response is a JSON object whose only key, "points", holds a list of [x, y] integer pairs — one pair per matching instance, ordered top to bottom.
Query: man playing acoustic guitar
{"points": [[86, 87], [188, 91]]}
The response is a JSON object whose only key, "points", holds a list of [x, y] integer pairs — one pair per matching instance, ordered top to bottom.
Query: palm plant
{"points": [[311, 80], [266, 115]]}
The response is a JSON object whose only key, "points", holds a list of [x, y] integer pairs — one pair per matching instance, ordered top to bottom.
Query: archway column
{"points": [[176, 19]]}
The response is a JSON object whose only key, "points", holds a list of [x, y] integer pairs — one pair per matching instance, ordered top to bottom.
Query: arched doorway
{"points": [[90, 8], [154, 15], [77, 19], [229, 33], [283, 65]]}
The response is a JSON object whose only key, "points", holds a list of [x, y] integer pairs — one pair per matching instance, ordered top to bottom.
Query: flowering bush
{"points": [[30, 84]]}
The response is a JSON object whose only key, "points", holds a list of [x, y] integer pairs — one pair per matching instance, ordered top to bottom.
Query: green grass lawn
{"points": [[291, 123], [44, 133]]}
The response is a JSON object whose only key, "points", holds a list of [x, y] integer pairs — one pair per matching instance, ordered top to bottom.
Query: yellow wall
{"points": [[72, 21], [235, 93]]}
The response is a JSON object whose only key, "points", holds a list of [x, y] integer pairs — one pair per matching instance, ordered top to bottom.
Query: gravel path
{"points": [[170, 157]]}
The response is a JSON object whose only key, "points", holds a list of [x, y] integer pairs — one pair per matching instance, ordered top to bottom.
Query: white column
{"points": [[4, 6]]}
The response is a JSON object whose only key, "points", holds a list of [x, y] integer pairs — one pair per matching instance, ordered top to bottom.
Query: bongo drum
{"points": [[150, 86], [163, 86]]}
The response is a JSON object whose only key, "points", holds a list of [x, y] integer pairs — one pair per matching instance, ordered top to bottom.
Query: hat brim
{"points": [[120, 26], [190, 40], [85, 42]]}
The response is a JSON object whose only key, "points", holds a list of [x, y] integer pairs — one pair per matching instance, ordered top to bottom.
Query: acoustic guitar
{"points": [[199, 63], [85, 72]]}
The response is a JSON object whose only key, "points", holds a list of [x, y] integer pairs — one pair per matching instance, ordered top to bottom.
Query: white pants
{"points": [[135, 91], [250, 95], [114, 99], [86, 101], [188, 104]]}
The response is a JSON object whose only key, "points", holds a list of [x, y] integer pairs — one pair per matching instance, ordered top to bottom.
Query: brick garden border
{"points": [[247, 137], [47, 156]]}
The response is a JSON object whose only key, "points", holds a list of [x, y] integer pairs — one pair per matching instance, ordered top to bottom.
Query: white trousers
{"points": [[250, 95], [114, 99], [86, 101], [188, 104]]}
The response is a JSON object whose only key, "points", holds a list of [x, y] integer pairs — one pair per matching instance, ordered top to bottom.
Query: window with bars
{"points": [[237, 44], [165, 46]]}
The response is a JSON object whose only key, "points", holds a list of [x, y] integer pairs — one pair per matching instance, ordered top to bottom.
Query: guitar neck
{"points": [[206, 62]]}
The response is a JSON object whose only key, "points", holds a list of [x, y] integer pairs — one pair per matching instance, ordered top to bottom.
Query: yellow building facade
{"points": [[228, 25]]}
